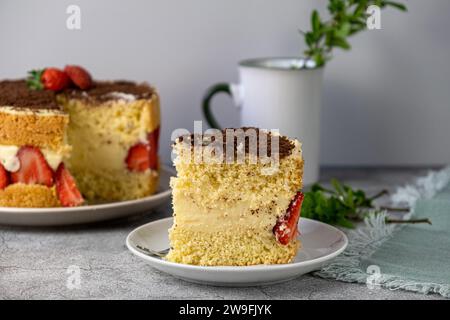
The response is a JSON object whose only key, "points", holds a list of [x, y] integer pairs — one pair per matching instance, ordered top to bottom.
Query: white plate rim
{"points": [[104, 206], [271, 267]]}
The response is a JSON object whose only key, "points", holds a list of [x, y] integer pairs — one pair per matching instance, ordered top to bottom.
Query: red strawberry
{"points": [[79, 76], [54, 79], [153, 138], [153, 141], [143, 156], [138, 158], [34, 169], [4, 178], [67, 190], [286, 227]]}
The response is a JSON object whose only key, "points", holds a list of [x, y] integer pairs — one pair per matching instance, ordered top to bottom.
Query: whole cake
{"points": [[75, 140], [237, 212]]}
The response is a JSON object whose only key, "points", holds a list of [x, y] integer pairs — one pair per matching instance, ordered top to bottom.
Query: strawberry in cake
{"points": [[33, 149]]}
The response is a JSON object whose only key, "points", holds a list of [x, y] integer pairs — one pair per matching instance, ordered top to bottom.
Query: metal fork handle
{"points": [[153, 253]]}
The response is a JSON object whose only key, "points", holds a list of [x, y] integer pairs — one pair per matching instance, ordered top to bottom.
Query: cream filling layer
{"points": [[122, 96], [27, 111], [104, 157], [10, 161], [242, 215]]}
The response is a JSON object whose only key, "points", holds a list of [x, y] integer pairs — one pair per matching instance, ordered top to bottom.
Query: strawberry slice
{"points": [[79, 76], [153, 138], [153, 141], [143, 156], [138, 158], [34, 169], [4, 178], [66, 188], [286, 227]]}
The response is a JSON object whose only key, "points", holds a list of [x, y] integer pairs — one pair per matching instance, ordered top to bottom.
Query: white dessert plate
{"points": [[88, 213], [320, 244]]}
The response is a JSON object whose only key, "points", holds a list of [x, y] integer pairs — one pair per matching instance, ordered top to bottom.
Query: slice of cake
{"points": [[105, 133], [114, 133], [33, 149], [237, 207]]}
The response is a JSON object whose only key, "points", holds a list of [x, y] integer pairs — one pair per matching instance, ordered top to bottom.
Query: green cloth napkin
{"points": [[409, 257]]}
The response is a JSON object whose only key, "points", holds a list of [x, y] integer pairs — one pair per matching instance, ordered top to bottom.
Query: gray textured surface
{"points": [[34, 262]]}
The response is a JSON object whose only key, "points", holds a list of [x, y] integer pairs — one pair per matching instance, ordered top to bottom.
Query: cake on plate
{"points": [[65, 138], [234, 209]]}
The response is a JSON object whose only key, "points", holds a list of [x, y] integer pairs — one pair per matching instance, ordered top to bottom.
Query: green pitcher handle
{"points": [[210, 93]]}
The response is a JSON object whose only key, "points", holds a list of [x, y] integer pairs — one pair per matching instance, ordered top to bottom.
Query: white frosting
{"points": [[122, 96], [27, 111], [143, 136], [8, 158], [53, 158], [10, 161]]}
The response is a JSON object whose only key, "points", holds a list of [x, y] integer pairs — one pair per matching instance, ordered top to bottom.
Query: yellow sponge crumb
{"points": [[28, 196], [229, 248]]}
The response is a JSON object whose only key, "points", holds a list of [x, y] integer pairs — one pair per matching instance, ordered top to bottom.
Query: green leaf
{"points": [[333, 6], [360, 9], [315, 22], [344, 30], [309, 39], [341, 43], [319, 59], [34, 80], [338, 186], [361, 199], [349, 200], [346, 224]]}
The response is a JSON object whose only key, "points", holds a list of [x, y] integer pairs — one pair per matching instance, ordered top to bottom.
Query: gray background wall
{"points": [[385, 103]]}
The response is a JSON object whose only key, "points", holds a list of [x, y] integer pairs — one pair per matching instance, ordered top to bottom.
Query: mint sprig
{"points": [[347, 17], [34, 80], [342, 205]]}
